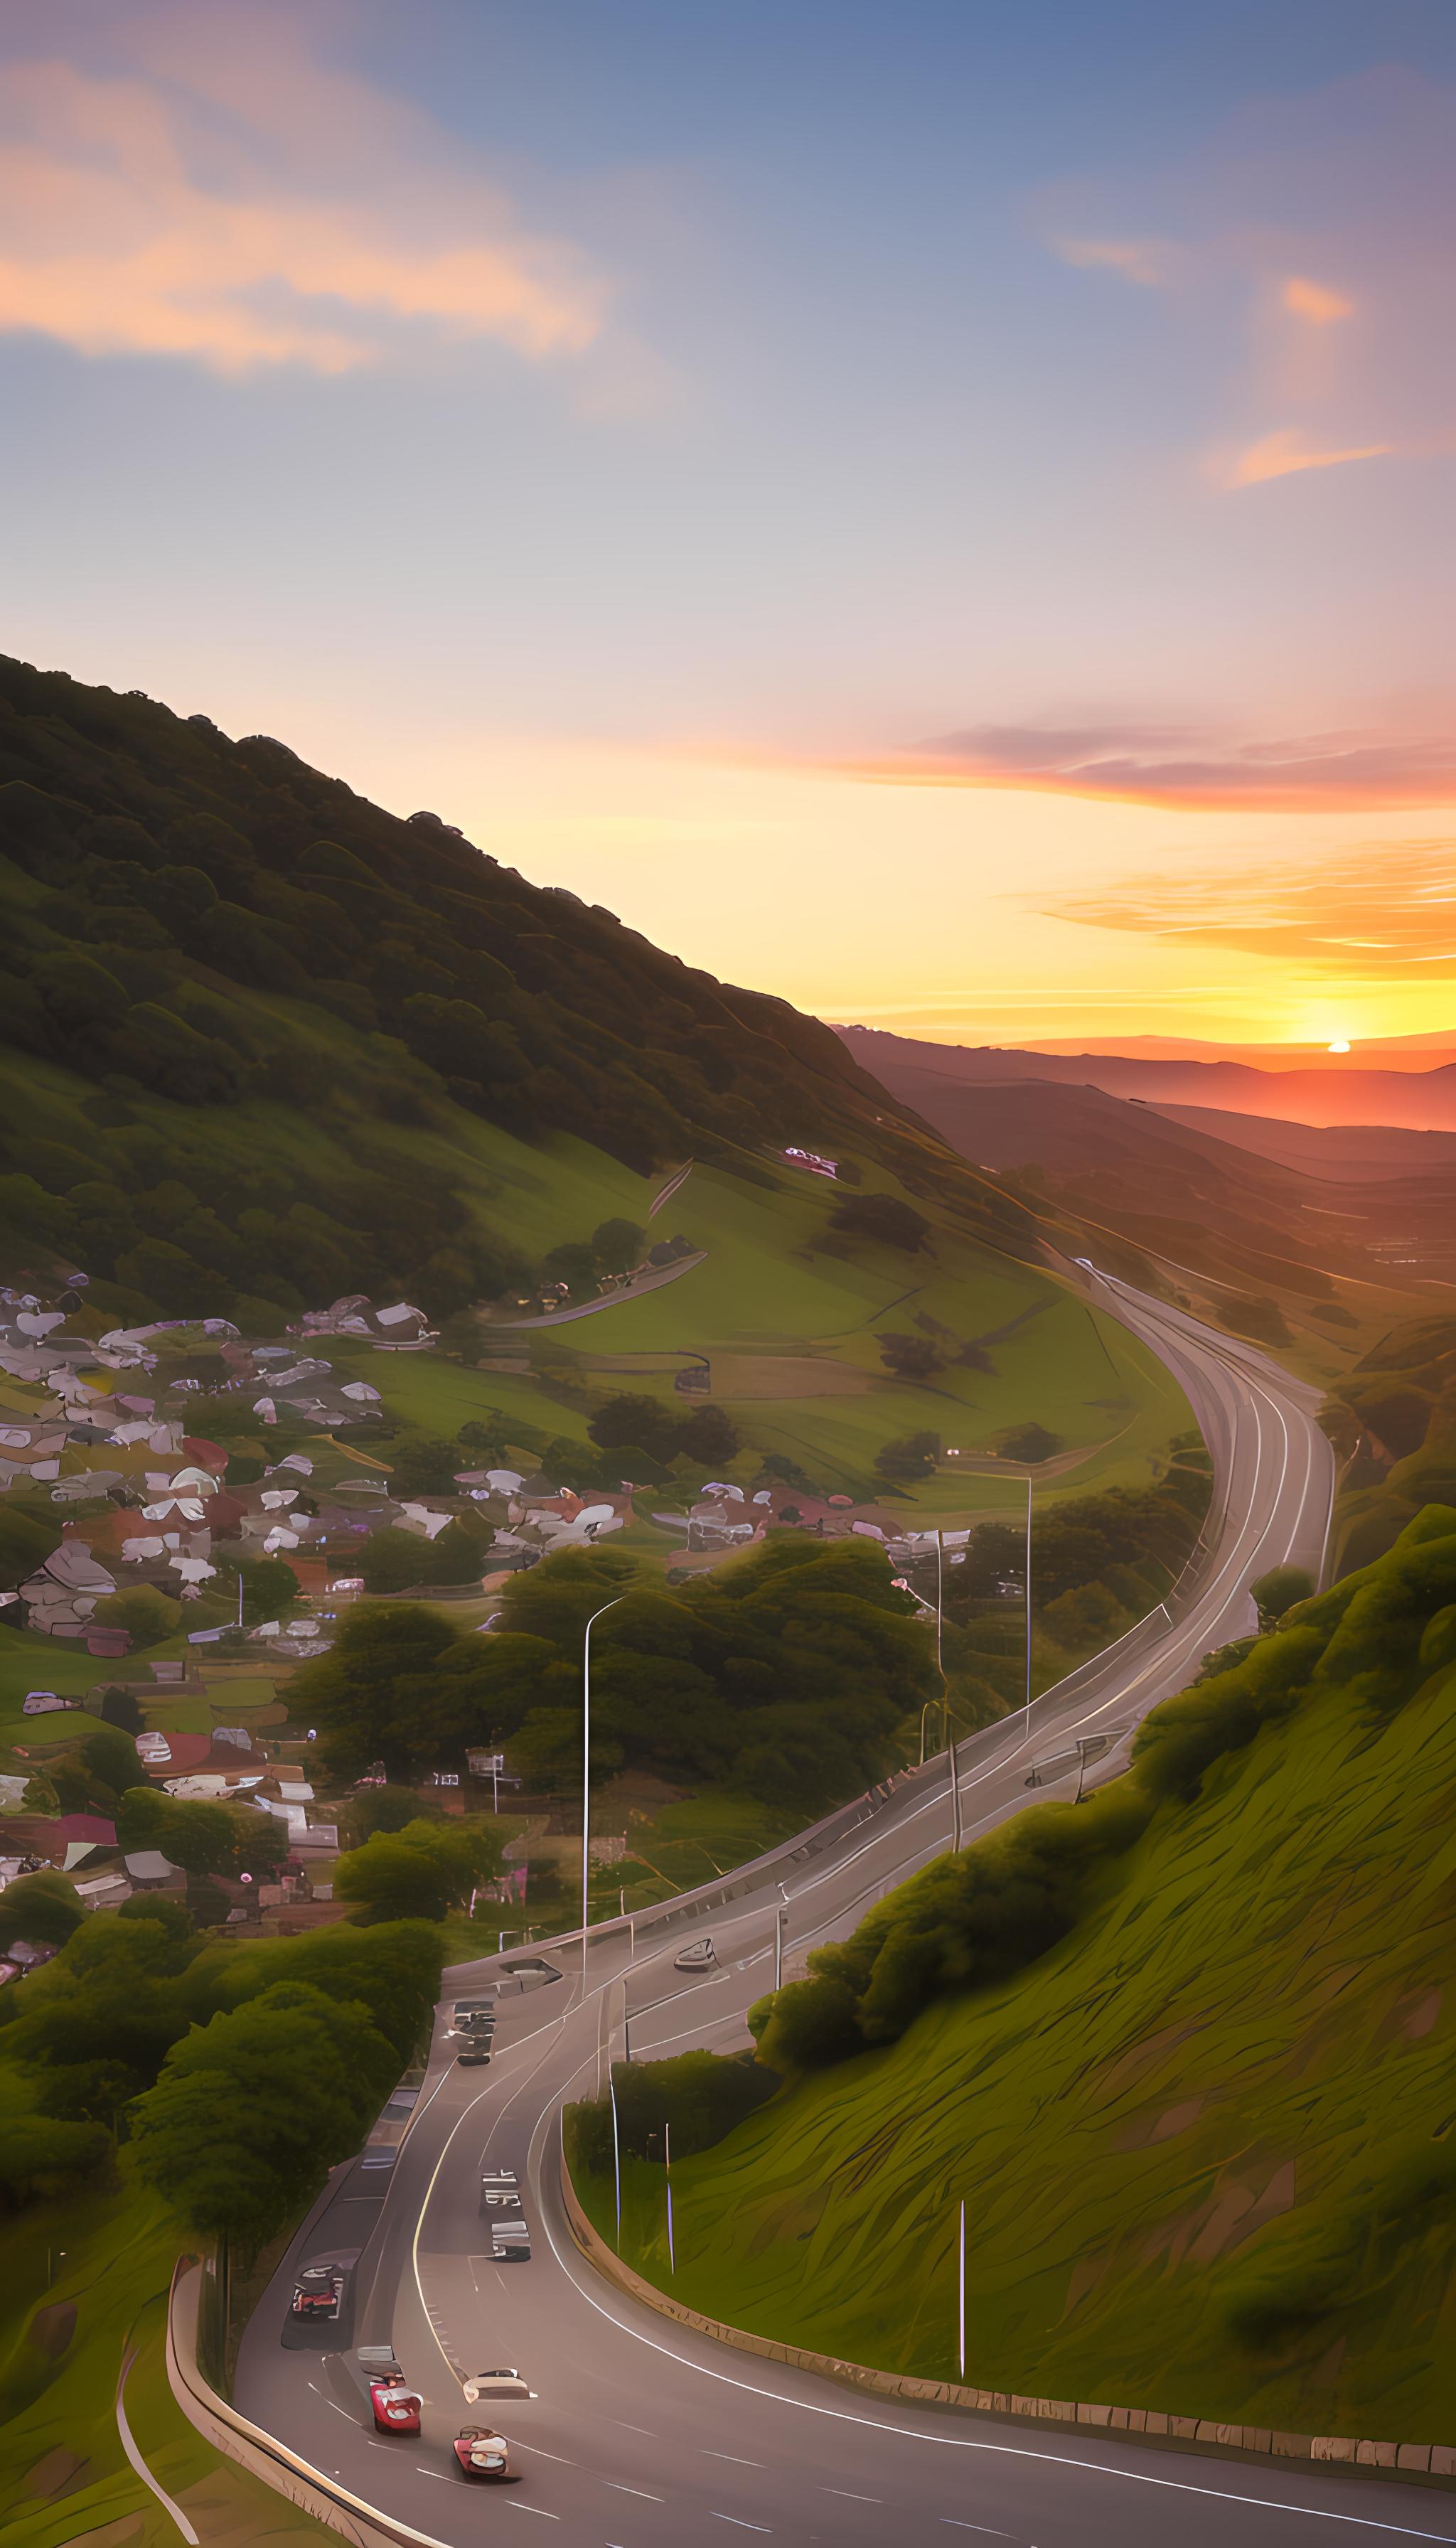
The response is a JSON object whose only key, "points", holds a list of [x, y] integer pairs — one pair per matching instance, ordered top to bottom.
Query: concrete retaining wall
{"points": [[237, 2439], [1432, 2461]]}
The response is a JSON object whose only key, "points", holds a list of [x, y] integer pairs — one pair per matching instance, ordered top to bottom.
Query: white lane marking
{"points": [[439, 2163], [334, 2403], [635, 2428], [960, 2441], [537, 2453], [735, 2456], [424, 2472], [633, 2489], [850, 2496], [539, 2509], [173, 2511], [948, 2519], [742, 2525]]}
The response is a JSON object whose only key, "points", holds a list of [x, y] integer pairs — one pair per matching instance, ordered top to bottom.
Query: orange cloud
{"points": [[150, 214], [1315, 301], [1283, 454], [1184, 768], [1369, 914]]}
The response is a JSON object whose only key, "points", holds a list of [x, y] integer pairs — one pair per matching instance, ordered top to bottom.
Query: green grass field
{"points": [[765, 1291], [1218, 2085], [63, 2473]]}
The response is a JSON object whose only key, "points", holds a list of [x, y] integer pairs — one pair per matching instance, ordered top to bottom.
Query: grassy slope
{"points": [[763, 1286], [1256, 2016], [116, 2268]]}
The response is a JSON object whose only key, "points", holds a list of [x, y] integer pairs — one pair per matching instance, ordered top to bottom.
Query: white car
{"points": [[695, 1958]]}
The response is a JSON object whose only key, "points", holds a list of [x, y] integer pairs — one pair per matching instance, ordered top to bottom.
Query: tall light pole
{"points": [[1029, 1606], [946, 1688], [586, 1769], [616, 2156], [961, 2312]]}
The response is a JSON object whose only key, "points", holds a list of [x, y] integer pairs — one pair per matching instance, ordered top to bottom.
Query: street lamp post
{"points": [[1028, 1604], [946, 1688], [586, 1771], [617, 2152], [961, 2308]]}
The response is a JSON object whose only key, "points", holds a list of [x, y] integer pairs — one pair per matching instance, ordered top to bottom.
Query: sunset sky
{"points": [[939, 509]]}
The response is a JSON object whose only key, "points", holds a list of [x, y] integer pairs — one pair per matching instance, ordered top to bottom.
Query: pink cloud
{"points": [[233, 201], [1298, 217], [1315, 301], [1282, 454], [1185, 767]]}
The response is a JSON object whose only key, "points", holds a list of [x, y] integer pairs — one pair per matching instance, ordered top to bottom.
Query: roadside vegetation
{"points": [[1393, 1421], [785, 1677], [1184, 2051], [228, 2078]]}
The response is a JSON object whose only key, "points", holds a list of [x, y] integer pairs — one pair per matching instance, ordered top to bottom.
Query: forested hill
{"points": [[213, 925]]}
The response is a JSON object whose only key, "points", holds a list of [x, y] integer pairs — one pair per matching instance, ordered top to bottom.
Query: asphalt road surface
{"points": [[645, 2435]]}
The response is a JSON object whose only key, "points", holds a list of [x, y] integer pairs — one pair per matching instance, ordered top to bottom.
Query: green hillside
{"points": [[312, 1023], [262, 1045], [1393, 1420], [1185, 2053]]}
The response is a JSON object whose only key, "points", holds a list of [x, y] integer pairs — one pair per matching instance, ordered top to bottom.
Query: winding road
{"points": [[643, 2434]]}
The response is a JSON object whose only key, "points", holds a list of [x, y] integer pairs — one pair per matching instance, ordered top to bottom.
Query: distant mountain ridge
{"points": [[1422, 1101]]}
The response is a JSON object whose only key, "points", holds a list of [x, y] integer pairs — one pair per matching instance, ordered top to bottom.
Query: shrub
{"points": [[883, 1218], [701, 2096]]}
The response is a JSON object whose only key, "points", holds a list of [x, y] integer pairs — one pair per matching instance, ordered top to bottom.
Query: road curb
{"points": [[1429, 2463]]}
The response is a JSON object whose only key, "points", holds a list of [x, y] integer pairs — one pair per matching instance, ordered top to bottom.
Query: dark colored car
{"points": [[322, 2295]]}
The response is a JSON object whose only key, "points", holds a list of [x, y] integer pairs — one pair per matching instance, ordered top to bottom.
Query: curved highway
{"points": [[643, 2434]]}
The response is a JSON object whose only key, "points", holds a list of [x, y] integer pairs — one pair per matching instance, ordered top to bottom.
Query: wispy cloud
{"points": [[232, 199], [1311, 253], [1148, 261], [1283, 454], [1185, 767], [1371, 914]]}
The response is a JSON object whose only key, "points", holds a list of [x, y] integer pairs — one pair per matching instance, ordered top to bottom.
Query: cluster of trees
{"points": [[192, 889], [883, 1219], [614, 1247], [921, 1356], [631, 1422], [394, 1560], [786, 1675], [201, 1838], [422, 1869], [972, 1920], [238, 2074], [698, 2096]]}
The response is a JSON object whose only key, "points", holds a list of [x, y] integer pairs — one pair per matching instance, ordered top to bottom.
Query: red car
{"points": [[396, 2405], [481, 2453]]}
